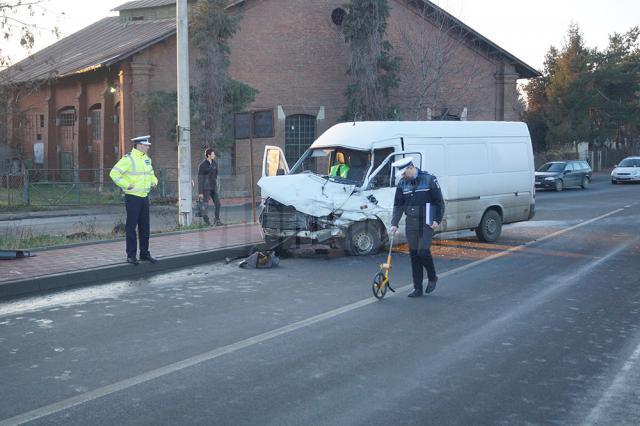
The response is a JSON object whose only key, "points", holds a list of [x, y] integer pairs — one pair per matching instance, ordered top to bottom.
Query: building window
{"points": [[338, 15], [67, 118], [96, 123], [262, 124], [241, 125], [27, 126], [300, 132]]}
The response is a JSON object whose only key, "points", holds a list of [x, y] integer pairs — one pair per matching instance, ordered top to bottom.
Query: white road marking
{"points": [[207, 356], [618, 387]]}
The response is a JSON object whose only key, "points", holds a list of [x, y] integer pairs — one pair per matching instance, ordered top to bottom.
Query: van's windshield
{"points": [[339, 164]]}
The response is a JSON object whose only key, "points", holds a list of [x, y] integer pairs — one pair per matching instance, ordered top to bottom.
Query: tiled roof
{"points": [[141, 4], [98, 45], [522, 68]]}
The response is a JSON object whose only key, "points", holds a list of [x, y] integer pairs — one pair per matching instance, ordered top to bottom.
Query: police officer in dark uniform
{"points": [[418, 195]]}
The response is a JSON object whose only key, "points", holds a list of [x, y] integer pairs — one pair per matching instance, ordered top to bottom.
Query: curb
{"points": [[120, 271]]}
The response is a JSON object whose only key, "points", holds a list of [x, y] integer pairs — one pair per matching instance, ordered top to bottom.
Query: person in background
{"points": [[134, 174], [208, 185], [418, 195]]}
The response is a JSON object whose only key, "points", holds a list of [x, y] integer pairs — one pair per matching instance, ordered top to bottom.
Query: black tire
{"points": [[585, 182], [614, 182], [559, 185], [490, 227], [363, 238], [376, 287]]}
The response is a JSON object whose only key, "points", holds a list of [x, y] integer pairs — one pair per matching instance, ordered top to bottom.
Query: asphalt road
{"points": [[542, 328]]}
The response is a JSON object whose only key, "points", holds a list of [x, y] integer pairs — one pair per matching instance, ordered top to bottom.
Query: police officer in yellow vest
{"points": [[134, 174]]}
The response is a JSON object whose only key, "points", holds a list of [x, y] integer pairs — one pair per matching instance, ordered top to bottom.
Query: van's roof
{"points": [[360, 134]]}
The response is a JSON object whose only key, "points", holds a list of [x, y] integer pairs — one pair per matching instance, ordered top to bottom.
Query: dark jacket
{"points": [[207, 176], [413, 197]]}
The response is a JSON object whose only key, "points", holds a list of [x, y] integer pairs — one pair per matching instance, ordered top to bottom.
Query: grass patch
{"points": [[21, 239]]}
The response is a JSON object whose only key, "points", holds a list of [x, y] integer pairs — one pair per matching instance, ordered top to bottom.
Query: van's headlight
{"points": [[550, 178]]}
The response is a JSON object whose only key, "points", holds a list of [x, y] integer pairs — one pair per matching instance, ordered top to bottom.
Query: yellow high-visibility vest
{"points": [[134, 169], [339, 170]]}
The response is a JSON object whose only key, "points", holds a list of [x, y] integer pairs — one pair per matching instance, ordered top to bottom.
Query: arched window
{"points": [[95, 121], [300, 132]]}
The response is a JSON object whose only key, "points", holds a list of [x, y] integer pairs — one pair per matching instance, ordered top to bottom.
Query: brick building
{"points": [[96, 84]]}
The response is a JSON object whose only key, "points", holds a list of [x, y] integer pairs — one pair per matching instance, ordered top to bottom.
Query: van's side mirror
{"points": [[615, 165], [280, 172]]}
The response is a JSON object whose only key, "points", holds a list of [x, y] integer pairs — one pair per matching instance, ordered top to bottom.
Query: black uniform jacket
{"points": [[207, 176], [420, 199]]}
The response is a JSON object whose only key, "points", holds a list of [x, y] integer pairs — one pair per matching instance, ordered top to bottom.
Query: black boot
{"points": [[431, 285], [417, 292]]}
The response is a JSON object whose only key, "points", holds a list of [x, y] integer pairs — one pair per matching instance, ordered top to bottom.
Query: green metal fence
{"points": [[74, 187]]}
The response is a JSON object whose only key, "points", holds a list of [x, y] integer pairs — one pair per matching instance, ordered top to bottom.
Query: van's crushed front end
{"points": [[281, 222]]}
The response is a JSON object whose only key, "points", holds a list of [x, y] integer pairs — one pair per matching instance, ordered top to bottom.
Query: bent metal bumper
{"points": [[320, 235]]}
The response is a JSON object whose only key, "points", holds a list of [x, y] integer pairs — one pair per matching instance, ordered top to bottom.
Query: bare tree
{"points": [[17, 25], [442, 80]]}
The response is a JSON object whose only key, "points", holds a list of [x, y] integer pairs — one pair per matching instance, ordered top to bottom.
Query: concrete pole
{"points": [[184, 123]]}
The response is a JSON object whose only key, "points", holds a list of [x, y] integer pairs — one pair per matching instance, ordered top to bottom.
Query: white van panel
{"points": [[509, 157]]}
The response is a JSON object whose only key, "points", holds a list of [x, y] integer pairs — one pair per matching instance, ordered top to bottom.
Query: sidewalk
{"points": [[59, 211], [105, 261]]}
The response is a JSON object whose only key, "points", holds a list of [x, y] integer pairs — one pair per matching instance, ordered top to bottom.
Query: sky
{"points": [[526, 29]]}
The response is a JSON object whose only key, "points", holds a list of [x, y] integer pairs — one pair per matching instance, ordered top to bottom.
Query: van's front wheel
{"points": [[490, 227], [363, 238]]}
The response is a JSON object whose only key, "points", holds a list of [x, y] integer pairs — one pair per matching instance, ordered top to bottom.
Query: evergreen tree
{"points": [[373, 70], [536, 92], [569, 92], [217, 95], [615, 113]]}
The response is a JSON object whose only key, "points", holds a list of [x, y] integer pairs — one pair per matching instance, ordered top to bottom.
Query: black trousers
{"points": [[216, 203], [137, 217], [419, 240]]}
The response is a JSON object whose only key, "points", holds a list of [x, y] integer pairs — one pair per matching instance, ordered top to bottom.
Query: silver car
{"points": [[627, 171]]}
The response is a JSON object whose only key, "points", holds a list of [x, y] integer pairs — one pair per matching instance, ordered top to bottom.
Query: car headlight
{"points": [[550, 178]]}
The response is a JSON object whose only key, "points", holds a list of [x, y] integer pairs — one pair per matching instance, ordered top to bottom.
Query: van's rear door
{"points": [[274, 162]]}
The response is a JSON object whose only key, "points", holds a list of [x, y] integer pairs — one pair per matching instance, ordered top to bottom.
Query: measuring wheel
{"points": [[379, 286]]}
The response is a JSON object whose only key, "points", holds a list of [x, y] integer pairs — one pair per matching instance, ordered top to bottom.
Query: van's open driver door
{"points": [[274, 163]]}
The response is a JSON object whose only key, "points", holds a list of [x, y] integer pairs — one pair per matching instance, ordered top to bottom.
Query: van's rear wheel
{"points": [[490, 227], [363, 238]]}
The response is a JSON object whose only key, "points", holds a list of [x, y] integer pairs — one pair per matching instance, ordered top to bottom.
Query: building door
{"points": [[66, 122], [300, 132]]}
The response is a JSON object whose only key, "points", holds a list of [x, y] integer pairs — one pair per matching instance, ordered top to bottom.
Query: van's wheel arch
{"points": [[490, 227], [363, 238]]}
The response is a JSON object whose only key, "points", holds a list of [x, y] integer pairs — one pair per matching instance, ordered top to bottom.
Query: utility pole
{"points": [[184, 122], [253, 186]]}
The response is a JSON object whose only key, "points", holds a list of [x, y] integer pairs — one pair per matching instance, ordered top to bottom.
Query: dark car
{"points": [[563, 174]]}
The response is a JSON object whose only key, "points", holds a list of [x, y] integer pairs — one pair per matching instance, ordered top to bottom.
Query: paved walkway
{"points": [[57, 264]]}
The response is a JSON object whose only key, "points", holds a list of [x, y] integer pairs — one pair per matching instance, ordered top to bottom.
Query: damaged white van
{"points": [[341, 191]]}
